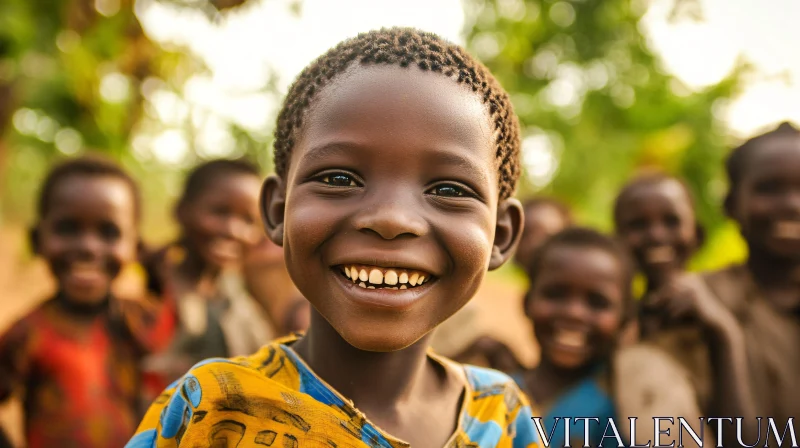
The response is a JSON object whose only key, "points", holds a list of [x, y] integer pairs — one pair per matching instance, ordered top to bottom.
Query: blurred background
{"points": [[603, 89]]}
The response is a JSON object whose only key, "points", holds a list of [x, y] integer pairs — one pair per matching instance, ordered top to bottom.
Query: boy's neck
{"points": [[193, 269], [82, 310], [372, 380], [547, 381]]}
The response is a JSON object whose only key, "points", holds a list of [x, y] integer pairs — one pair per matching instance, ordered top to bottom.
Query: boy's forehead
{"points": [[370, 102], [776, 150], [104, 192]]}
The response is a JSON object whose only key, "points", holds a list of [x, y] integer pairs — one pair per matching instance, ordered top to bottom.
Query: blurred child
{"points": [[396, 155], [654, 216], [219, 222], [269, 283], [764, 292], [579, 302], [754, 317], [74, 358]]}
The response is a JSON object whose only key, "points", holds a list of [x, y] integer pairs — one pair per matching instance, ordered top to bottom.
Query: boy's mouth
{"points": [[789, 230], [225, 249], [659, 254], [86, 272], [376, 277], [571, 339]]}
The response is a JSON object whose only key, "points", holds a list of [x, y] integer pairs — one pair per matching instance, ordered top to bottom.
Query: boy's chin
{"points": [[380, 340]]}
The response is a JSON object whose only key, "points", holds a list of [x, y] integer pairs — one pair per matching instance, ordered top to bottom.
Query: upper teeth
{"points": [[787, 229], [660, 254], [371, 276], [575, 339]]}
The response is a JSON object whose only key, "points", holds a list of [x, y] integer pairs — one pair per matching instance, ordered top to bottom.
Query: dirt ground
{"points": [[24, 282]]}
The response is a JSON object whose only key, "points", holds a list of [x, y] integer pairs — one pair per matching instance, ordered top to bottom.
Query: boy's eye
{"points": [[339, 180], [768, 187], [448, 190], [220, 210], [672, 221], [637, 224], [65, 227], [110, 231], [555, 292], [599, 302]]}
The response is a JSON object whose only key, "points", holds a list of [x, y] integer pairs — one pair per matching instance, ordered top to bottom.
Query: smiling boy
{"points": [[396, 156]]}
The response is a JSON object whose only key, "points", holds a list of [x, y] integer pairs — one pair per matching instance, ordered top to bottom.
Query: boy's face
{"points": [[394, 175], [767, 201], [222, 222], [541, 222], [657, 222], [87, 235], [576, 305]]}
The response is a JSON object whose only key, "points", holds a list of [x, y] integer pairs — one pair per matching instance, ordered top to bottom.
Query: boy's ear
{"points": [[272, 204], [508, 231], [33, 239]]}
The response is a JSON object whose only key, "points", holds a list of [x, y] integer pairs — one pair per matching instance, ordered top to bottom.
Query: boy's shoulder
{"points": [[730, 285], [39, 318], [271, 362], [485, 379], [488, 385]]}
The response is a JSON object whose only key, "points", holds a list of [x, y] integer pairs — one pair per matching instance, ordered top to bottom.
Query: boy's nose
{"points": [[791, 202], [391, 217], [239, 229], [657, 233], [89, 245], [576, 309]]}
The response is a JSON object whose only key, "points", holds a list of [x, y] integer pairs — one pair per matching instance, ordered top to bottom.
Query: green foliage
{"points": [[79, 73], [580, 73]]}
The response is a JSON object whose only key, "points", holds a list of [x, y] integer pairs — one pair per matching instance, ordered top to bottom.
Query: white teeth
{"points": [[787, 229], [663, 254], [376, 277], [373, 278], [573, 339]]}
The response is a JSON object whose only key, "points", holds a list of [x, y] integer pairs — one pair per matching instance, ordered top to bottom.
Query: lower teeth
{"points": [[364, 285]]}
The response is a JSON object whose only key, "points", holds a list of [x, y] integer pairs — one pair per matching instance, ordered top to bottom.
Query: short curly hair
{"points": [[404, 47]]}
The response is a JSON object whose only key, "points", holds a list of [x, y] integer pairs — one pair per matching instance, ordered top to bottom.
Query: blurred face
{"points": [[767, 201], [391, 205], [222, 222], [541, 222], [657, 222], [87, 235], [576, 306]]}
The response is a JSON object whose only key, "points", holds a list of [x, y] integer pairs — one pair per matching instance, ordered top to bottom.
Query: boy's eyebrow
{"points": [[327, 149], [471, 170]]}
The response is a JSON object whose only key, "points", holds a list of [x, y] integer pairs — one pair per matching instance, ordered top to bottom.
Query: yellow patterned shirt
{"points": [[272, 398]]}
